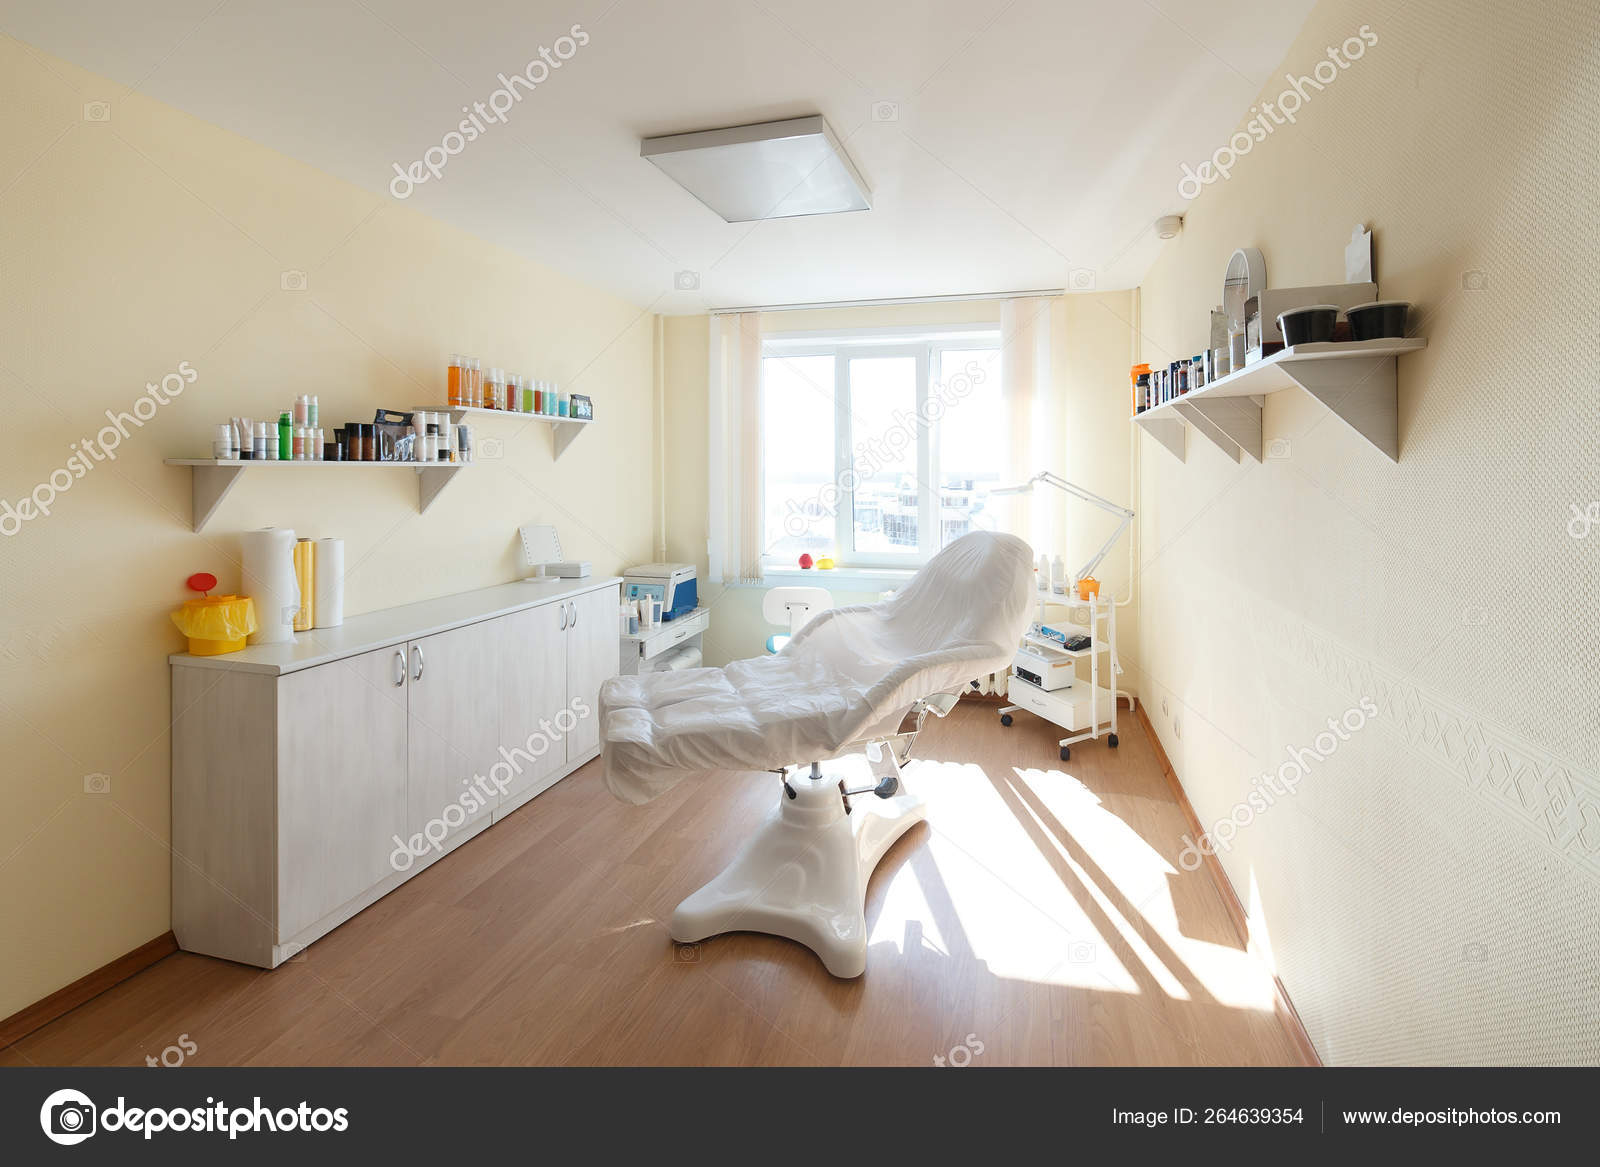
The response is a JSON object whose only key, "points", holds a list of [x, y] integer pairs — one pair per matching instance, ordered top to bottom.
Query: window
{"points": [[878, 450]]}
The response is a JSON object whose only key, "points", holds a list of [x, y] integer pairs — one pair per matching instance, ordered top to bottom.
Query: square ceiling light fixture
{"points": [[773, 170]]}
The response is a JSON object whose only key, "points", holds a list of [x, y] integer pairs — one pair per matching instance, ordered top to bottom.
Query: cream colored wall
{"points": [[134, 244], [1091, 343], [1091, 346], [686, 360], [1429, 894]]}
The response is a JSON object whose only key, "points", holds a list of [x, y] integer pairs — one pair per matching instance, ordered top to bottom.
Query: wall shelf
{"points": [[1354, 379], [562, 429], [214, 478]]}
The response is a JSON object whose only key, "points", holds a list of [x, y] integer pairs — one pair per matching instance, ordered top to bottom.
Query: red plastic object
{"points": [[805, 562], [201, 581]]}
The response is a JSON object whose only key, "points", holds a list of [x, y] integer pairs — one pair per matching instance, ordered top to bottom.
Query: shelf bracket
{"points": [[1359, 391], [1238, 418], [1169, 431], [562, 435], [1219, 438], [431, 481], [210, 485]]}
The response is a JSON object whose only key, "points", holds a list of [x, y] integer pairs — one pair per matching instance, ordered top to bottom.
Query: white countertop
{"points": [[391, 626]]}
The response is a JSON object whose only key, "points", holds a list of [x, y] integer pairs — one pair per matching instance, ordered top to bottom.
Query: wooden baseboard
{"points": [[85, 988], [1282, 1005]]}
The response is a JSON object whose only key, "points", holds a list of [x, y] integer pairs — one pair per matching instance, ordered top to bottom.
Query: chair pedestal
{"points": [[803, 874]]}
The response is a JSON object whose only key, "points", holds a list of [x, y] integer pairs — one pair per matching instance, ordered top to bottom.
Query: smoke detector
{"points": [[1168, 226]]}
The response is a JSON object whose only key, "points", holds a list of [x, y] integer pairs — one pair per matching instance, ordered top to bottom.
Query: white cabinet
{"points": [[591, 661], [552, 664], [533, 688], [452, 727], [310, 779], [341, 783]]}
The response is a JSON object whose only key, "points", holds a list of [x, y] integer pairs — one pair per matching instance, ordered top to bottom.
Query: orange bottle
{"points": [[453, 391]]}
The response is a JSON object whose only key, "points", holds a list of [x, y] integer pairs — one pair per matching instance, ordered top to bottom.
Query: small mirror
{"points": [[1246, 276]]}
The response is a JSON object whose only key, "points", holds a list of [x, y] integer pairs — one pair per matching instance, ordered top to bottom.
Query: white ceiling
{"points": [[1023, 145]]}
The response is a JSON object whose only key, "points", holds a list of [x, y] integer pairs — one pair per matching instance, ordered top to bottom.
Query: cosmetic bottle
{"points": [[453, 381], [285, 437]]}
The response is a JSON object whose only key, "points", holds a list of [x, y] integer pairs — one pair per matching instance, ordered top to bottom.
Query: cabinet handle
{"points": [[563, 617], [574, 622], [400, 667], [417, 674]]}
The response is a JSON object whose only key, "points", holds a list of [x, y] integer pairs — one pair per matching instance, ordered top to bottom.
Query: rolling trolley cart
{"points": [[1087, 707]]}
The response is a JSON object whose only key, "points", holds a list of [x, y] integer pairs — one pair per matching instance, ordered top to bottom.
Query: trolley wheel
{"points": [[1005, 719], [1112, 741], [1066, 753]]}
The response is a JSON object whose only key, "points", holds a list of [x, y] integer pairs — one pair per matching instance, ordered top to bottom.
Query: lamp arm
{"points": [[1079, 492], [1105, 504], [1095, 559]]}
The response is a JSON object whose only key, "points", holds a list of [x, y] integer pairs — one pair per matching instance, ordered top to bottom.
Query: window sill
{"points": [[844, 579]]}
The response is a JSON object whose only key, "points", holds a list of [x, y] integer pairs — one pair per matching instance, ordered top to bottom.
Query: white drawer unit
{"points": [[647, 653], [1072, 709], [309, 779]]}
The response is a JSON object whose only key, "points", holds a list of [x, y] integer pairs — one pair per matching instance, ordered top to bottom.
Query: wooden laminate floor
{"points": [[1038, 917]]}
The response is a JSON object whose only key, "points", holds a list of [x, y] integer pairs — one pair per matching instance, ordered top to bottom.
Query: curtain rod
{"points": [[888, 303]]}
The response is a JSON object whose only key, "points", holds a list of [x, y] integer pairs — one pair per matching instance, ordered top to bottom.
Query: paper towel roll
{"points": [[305, 578], [268, 579], [330, 583]]}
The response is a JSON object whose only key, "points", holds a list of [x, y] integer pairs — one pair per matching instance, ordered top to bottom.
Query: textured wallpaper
{"points": [[1428, 888]]}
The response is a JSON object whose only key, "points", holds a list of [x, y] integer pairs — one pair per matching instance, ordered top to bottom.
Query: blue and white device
{"points": [[672, 583]]}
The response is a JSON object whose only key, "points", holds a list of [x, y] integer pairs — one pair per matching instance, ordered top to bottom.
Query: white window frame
{"points": [[927, 348]]}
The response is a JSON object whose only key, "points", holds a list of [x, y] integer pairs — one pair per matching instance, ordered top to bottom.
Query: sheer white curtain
{"points": [[1033, 409], [1033, 432], [735, 448]]}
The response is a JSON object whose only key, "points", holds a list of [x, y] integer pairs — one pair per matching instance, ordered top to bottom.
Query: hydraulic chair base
{"points": [[803, 873]]}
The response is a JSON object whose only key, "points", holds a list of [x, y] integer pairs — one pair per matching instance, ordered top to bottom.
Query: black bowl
{"points": [[1381, 318], [1308, 324]]}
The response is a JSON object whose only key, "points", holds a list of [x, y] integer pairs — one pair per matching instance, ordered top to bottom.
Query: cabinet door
{"points": [[591, 660], [533, 689], [454, 730], [341, 782]]}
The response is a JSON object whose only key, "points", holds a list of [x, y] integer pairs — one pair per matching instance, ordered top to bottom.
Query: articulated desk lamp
{"points": [[1087, 496]]}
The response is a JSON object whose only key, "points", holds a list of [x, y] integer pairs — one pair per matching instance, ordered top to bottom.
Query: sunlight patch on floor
{"points": [[1035, 877], [972, 884]]}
